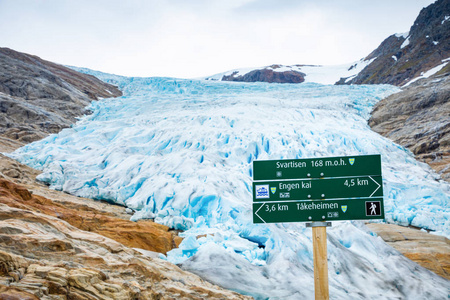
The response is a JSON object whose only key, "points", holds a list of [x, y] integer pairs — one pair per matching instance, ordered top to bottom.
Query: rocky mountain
{"points": [[402, 57], [294, 73], [269, 74], [38, 97], [417, 118]]}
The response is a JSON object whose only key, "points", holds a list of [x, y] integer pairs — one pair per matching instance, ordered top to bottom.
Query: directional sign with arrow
{"points": [[329, 188], [318, 189], [314, 190], [320, 210]]}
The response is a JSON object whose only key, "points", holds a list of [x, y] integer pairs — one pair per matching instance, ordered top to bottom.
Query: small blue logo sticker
{"points": [[351, 160], [273, 190], [262, 191], [344, 208]]}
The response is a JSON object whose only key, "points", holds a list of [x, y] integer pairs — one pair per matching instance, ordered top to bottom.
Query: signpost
{"points": [[318, 190], [320, 210]]}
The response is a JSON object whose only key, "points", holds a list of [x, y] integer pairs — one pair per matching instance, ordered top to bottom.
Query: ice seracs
{"points": [[181, 152]]}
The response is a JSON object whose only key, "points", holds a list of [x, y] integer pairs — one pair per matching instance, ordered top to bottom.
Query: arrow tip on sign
{"points": [[376, 188], [256, 213]]}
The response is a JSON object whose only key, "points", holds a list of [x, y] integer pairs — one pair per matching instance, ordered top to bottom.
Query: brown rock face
{"points": [[38, 97], [419, 118], [144, 234], [428, 250], [44, 257], [10, 293]]}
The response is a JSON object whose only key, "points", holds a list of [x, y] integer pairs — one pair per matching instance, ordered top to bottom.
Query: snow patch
{"points": [[445, 19], [402, 35], [405, 43], [434, 70], [430, 72], [332, 74]]}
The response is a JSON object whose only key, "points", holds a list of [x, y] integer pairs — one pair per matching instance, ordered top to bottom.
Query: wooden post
{"points": [[319, 234]]}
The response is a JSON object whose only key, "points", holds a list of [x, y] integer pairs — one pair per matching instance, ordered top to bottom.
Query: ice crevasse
{"points": [[181, 151]]}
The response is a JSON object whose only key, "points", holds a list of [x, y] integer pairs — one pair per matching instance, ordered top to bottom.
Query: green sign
{"points": [[363, 165], [329, 188], [318, 189], [320, 210]]}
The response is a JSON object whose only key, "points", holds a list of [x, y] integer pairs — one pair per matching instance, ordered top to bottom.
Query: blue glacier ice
{"points": [[181, 151]]}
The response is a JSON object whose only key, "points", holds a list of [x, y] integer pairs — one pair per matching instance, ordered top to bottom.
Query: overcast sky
{"points": [[192, 38]]}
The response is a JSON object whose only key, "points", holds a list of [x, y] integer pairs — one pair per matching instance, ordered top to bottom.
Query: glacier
{"points": [[180, 152]]}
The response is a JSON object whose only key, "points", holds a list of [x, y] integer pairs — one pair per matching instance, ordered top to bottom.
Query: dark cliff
{"points": [[400, 59]]}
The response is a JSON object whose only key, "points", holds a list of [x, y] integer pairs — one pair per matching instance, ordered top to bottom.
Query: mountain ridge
{"points": [[398, 60], [38, 97], [418, 117]]}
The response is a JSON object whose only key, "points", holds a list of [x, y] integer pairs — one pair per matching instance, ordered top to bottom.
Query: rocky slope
{"points": [[403, 57], [38, 97], [419, 118], [144, 234], [96, 252], [44, 257]]}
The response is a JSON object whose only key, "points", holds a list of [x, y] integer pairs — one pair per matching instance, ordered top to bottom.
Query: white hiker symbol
{"points": [[373, 208]]}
